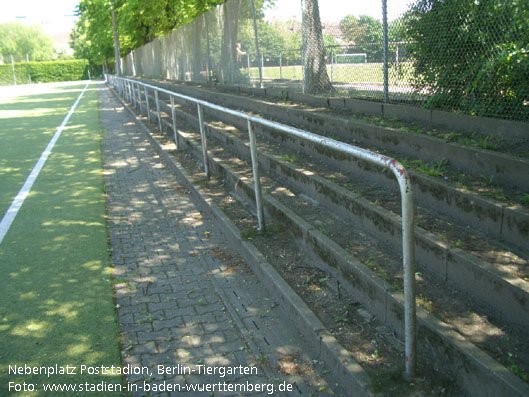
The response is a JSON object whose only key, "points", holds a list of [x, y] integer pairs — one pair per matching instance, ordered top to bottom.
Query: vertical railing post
{"points": [[129, 91], [138, 91], [157, 100], [147, 104], [173, 115], [203, 138], [256, 179], [408, 259], [408, 264]]}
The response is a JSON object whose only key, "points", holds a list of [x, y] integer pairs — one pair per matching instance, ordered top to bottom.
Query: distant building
{"points": [[58, 28], [333, 29], [61, 42]]}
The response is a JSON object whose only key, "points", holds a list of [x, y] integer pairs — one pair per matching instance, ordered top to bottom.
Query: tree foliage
{"points": [[143, 20], [139, 21], [361, 30], [364, 34], [92, 35], [270, 39], [21, 41], [472, 55]]}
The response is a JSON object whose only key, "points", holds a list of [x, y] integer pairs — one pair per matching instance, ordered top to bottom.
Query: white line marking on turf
{"points": [[12, 211]]}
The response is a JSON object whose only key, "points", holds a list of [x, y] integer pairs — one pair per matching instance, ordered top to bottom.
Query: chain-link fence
{"points": [[459, 55]]}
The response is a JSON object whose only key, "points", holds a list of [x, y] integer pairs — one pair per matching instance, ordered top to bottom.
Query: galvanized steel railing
{"points": [[130, 88]]}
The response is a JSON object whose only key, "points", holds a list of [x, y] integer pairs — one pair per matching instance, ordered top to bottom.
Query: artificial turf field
{"points": [[56, 304]]}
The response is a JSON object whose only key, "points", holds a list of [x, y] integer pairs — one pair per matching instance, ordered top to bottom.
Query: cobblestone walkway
{"points": [[187, 304]]}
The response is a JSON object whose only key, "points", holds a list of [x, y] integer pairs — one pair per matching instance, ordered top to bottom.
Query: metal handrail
{"points": [[408, 245]]}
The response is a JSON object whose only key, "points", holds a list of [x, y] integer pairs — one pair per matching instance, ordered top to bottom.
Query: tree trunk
{"points": [[116, 39], [229, 39], [315, 78]]}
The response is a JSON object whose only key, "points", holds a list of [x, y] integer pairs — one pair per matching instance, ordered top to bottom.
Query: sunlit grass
{"points": [[341, 73], [28, 121], [56, 302]]}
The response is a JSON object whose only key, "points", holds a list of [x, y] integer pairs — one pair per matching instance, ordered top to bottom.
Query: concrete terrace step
{"points": [[507, 222], [322, 246], [449, 263], [472, 275]]}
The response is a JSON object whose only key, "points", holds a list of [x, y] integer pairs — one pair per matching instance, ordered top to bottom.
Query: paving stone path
{"points": [[186, 304]]}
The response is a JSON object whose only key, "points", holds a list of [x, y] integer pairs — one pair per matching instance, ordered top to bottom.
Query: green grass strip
{"points": [[342, 73], [27, 123], [56, 305]]}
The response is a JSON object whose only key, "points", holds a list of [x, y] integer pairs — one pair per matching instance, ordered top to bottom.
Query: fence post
{"points": [[385, 33], [257, 46], [303, 48], [208, 60], [132, 61], [332, 64], [397, 64], [280, 65], [27, 66], [13, 69], [249, 71], [173, 115], [204, 139], [256, 179]]}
